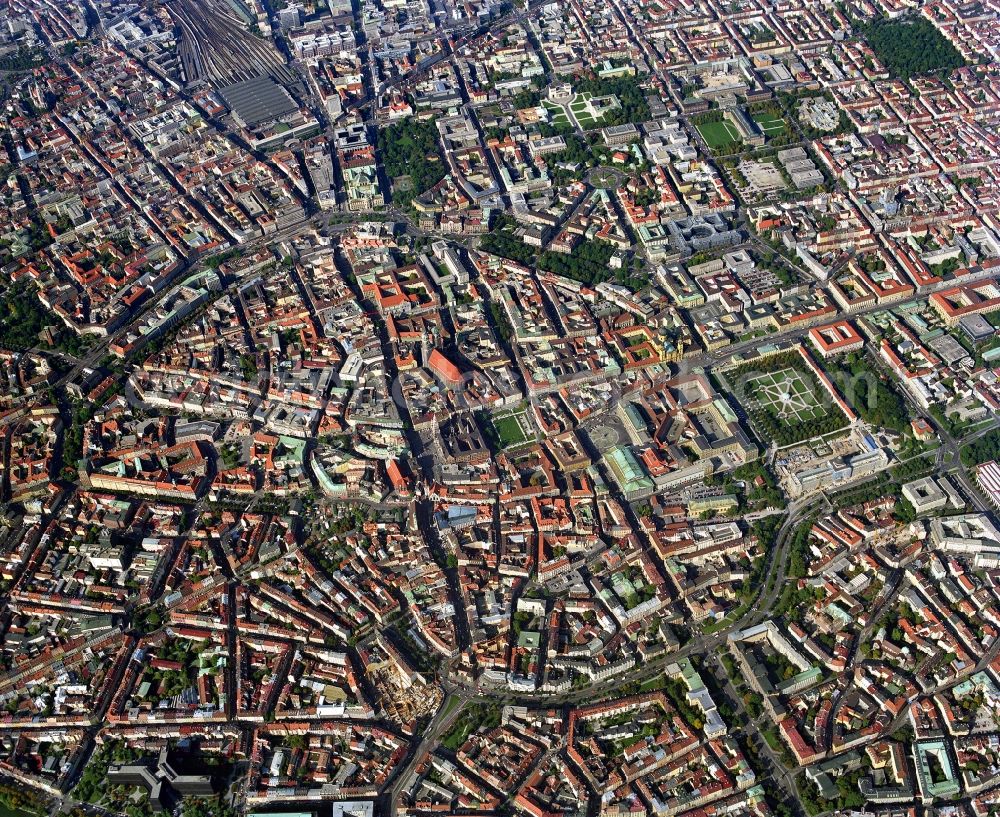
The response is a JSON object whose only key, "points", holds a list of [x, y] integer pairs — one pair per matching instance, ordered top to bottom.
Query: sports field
{"points": [[719, 134]]}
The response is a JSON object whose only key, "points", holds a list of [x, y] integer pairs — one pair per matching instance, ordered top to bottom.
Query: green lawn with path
{"points": [[557, 112], [770, 123], [509, 431]]}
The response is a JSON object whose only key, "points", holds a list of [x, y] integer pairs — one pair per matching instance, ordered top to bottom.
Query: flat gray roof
{"points": [[258, 100]]}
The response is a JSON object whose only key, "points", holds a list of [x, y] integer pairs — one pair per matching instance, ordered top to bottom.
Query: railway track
{"points": [[215, 47]]}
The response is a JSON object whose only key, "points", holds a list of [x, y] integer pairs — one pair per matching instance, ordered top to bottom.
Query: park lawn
{"points": [[557, 112], [584, 118], [770, 123], [719, 134], [785, 399], [802, 405], [509, 431], [728, 620], [652, 685], [453, 703], [477, 715], [457, 736]]}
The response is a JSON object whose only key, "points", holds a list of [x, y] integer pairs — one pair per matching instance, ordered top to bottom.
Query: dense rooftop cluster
{"points": [[538, 407]]}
